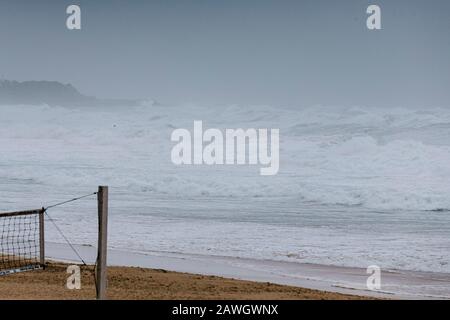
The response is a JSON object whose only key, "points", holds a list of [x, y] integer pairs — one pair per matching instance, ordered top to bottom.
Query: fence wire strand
{"points": [[20, 236], [19, 243]]}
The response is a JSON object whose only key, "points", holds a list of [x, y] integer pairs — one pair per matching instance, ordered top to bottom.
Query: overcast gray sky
{"points": [[235, 51]]}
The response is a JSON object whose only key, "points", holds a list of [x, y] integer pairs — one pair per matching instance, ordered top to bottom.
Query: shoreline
{"points": [[332, 279], [134, 283]]}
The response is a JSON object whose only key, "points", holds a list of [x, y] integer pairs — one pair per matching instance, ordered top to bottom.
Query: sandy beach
{"points": [[236, 150], [294, 230], [340, 280], [143, 283]]}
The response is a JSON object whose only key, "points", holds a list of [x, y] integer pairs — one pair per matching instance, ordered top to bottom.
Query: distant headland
{"points": [[52, 93]]}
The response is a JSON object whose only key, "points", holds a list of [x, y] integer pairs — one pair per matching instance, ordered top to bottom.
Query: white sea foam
{"points": [[381, 159], [354, 185]]}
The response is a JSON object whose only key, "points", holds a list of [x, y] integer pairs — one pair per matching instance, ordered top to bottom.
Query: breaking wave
{"points": [[390, 159]]}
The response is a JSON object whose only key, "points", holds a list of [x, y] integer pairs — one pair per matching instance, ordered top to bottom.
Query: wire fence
{"points": [[20, 241]]}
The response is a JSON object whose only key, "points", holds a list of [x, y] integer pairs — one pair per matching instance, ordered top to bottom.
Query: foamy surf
{"points": [[356, 186]]}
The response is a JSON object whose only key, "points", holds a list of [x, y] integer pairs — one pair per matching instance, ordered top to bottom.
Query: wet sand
{"points": [[343, 280], [126, 283]]}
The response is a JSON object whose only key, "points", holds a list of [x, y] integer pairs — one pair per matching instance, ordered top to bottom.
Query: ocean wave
{"points": [[390, 159]]}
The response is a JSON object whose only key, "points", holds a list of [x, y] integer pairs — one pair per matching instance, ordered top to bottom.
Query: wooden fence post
{"points": [[41, 239], [101, 284]]}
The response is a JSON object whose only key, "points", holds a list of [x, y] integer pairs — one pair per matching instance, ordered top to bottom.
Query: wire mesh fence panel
{"points": [[20, 241]]}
